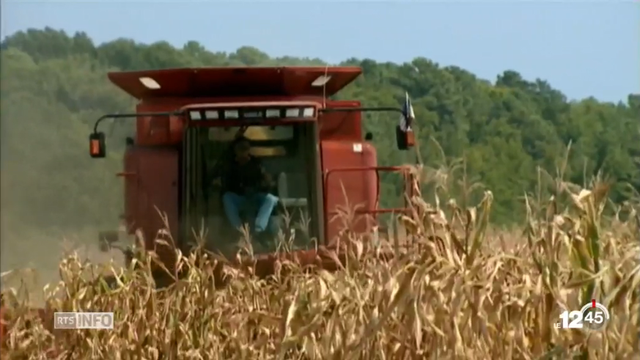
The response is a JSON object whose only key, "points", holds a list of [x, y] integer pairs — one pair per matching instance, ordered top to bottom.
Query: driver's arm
{"points": [[266, 177]]}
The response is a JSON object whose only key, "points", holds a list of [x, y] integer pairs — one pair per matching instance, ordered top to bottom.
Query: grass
{"points": [[463, 290]]}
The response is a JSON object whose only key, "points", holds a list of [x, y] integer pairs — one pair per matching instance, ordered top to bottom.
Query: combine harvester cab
{"points": [[313, 146]]}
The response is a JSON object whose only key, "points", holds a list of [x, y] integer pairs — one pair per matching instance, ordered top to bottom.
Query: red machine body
{"points": [[349, 164], [337, 166]]}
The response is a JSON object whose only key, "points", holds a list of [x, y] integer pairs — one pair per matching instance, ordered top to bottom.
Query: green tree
{"points": [[54, 86]]}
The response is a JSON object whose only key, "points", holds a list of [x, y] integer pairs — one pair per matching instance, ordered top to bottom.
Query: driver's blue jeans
{"points": [[234, 204]]}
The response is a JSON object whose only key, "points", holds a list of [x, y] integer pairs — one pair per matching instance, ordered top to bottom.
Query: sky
{"points": [[582, 48]]}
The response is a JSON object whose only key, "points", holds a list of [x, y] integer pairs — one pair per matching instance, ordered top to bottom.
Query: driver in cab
{"points": [[245, 182]]}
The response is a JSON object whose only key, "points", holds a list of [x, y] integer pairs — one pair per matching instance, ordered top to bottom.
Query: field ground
{"points": [[472, 293]]}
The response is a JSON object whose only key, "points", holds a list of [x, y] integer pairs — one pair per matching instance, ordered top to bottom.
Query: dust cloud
{"points": [[54, 199], [30, 247], [32, 260]]}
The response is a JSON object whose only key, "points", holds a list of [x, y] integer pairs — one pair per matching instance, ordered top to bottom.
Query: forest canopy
{"points": [[54, 86]]}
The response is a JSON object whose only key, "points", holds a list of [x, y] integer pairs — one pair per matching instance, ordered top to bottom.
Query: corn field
{"points": [[462, 290]]}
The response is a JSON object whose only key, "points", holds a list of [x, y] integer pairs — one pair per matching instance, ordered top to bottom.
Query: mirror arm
{"points": [[363, 109], [368, 109], [131, 116]]}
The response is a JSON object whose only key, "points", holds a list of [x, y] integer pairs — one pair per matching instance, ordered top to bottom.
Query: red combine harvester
{"points": [[312, 145]]}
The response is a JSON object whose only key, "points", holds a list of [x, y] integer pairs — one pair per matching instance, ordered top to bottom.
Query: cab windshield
{"points": [[267, 141], [287, 153]]}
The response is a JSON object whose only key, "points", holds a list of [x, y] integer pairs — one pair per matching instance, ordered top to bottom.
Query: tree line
{"points": [[54, 86]]}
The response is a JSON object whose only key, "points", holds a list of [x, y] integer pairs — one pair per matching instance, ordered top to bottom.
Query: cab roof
{"points": [[235, 81]]}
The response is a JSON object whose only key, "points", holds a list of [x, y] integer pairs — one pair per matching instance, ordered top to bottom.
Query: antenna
{"points": [[324, 87], [324, 93]]}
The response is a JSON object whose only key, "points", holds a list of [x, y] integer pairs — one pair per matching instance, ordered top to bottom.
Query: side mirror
{"points": [[405, 138], [97, 148]]}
